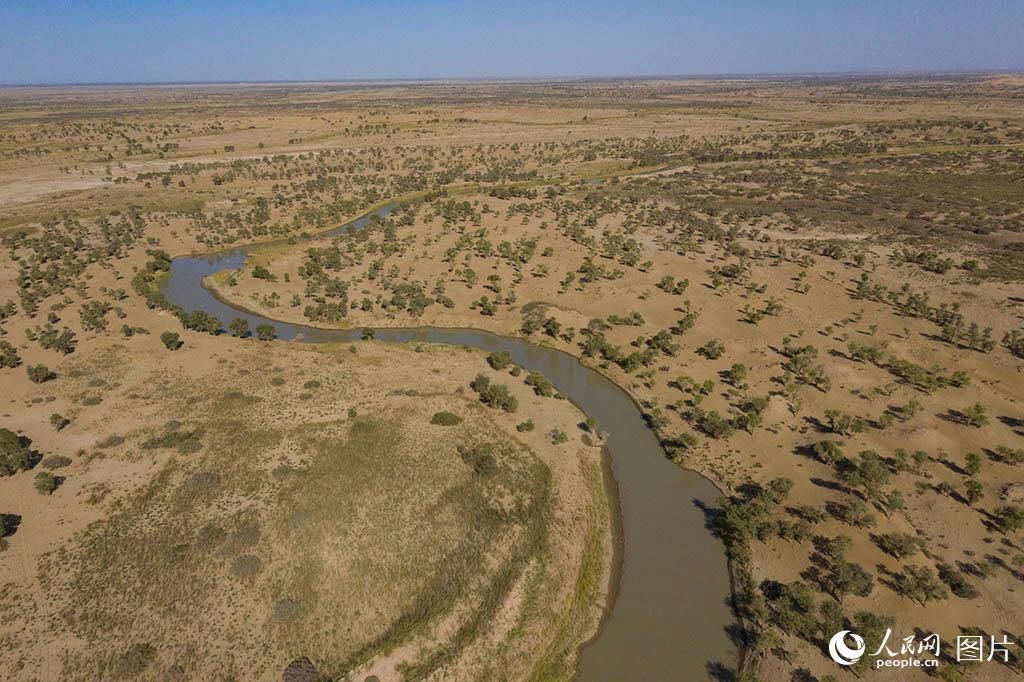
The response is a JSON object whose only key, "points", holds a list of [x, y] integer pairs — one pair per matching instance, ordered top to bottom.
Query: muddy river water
{"points": [[669, 615]]}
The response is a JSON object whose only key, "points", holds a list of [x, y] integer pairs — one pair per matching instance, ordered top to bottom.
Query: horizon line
{"points": [[521, 78]]}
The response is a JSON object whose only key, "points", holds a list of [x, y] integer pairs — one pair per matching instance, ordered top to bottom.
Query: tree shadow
{"points": [[828, 485], [711, 515], [9, 524], [720, 672]]}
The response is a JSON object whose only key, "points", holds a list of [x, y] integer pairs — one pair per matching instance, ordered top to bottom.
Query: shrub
{"points": [[260, 272], [200, 321], [266, 332], [171, 340], [712, 350], [8, 355], [499, 360], [40, 373], [541, 385], [498, 396], [445, 419], [526, 426], [479, 459], [55, 462], [45, 482], [246, 566], [135, 660]]}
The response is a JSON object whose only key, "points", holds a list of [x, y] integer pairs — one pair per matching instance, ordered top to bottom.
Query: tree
{"points": [[261, 272], [200, 321], [239, 327], [266, 332], [172, 340], [712, 350], [8, 355], [499, 360], [736, 374], [542, 386], [498, 396], [976, 415], [844, 424], [828, 451], [15, 454], [972, 463], [869, 473], [45, 482], [973, 491], [856, 513], [1008, 518], [899, 545], [842, 577], [957, 582], [920, 584], [872, 628]]}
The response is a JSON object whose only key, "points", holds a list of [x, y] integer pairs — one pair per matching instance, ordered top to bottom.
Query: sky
{"points": [[93, 41]]}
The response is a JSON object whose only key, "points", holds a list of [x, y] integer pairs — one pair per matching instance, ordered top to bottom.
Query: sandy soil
{"points": [[743, 188]]}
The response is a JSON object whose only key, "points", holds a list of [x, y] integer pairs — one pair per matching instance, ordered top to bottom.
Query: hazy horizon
{"points": [[49, 43], [518, 79]]}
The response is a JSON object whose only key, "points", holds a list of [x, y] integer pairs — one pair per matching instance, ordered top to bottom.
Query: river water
{"points": [[669, 615]]}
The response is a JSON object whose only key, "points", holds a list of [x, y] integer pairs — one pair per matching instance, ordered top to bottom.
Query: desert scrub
{"points": [[445, 419]]}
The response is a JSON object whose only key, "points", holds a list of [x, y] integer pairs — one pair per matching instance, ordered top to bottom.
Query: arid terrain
{"points": [[813, 288]]}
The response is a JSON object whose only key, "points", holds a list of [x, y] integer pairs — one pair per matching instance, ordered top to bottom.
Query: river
{"points": [[668, 616]]}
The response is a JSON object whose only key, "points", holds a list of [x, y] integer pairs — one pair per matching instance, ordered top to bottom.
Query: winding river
{"points": [[669, 615]]}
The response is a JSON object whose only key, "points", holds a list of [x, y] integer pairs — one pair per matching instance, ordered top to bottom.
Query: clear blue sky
{"points": [[195, 40]]}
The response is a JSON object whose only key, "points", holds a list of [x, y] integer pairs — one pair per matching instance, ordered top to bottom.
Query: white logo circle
{"points": [[842, 654]]}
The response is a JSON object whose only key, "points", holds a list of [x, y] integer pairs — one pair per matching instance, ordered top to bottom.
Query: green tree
{"points": [[239, 327], [266, 332], [172, 340], [8, 355], [499, 360], [40, 373], [976, 415], [15, 454], [972, 463], [45, 482], [973, 491], [1008, 518], [920, 584]]}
